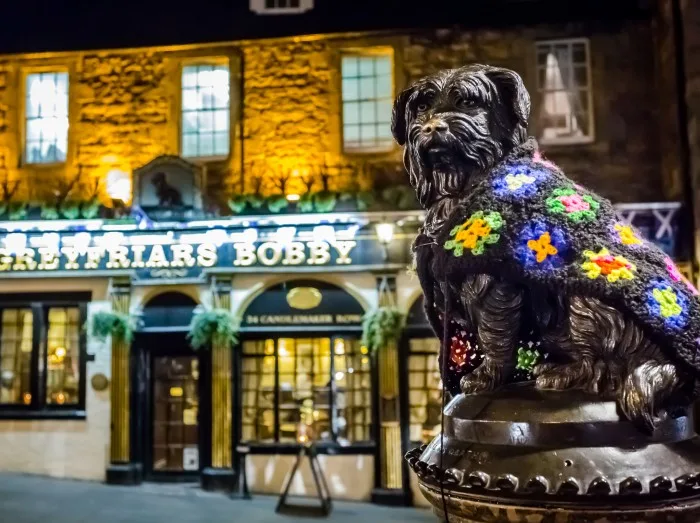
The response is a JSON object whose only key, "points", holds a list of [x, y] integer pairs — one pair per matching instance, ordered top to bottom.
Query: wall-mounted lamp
{"points": [[119, 185], [385, 234]]}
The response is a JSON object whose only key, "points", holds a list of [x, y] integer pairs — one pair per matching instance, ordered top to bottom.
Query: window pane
{"points": [[369, 80], [563, 81], [205, 106], [46, 117], [16, 329], [63, 356], [425, 391], [306, 410]]}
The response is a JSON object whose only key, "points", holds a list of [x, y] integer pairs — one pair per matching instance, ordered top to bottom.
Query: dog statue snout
{"points": [[434, 126]]}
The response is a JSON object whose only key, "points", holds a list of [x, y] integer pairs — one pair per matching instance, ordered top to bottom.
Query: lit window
{"points": [[280, 7], [367, 94], [565, 95], [205, 111], [46, 138], [43, 372], [299, 390], [424, 390]]}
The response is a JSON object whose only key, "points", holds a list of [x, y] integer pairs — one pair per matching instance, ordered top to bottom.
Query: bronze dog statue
{"points": [[511, 249]]}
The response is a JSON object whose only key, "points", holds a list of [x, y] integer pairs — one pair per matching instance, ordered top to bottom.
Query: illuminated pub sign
{"points": [[187, 253], [303, 305]]}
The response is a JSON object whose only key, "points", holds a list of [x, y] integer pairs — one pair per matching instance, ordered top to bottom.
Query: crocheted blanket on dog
{"points": [[528, 222]]}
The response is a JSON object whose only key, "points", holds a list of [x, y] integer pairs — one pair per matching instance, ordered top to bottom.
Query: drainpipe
{"points": [[684, 142]]}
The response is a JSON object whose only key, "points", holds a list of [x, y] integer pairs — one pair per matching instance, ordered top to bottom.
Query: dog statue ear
{"points": [[512, 90], [398, 116]]}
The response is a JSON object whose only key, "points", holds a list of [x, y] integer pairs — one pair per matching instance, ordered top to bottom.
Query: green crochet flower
{"points": [[572, 205], [475, 233], [527, 359]]}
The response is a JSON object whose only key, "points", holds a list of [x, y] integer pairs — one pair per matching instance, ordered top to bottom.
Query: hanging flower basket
{"points": [[117, 325], [213, 326], [381, 326]]}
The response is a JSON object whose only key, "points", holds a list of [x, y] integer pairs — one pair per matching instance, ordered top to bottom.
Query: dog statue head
{"points": [[456, 123]]}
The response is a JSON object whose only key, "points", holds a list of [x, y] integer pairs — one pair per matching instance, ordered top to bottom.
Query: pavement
{"points": [[37, 499]]}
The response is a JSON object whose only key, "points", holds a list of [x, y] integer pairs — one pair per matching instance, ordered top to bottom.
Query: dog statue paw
{"points": [[525, 257]]}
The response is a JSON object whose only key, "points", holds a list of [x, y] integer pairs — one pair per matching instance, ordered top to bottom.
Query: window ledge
{"points": [[8, 414], [321, 448]]}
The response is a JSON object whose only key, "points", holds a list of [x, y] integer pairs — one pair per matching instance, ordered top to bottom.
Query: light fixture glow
{"points": [[119, 185], [293, 197], [385, 232]]}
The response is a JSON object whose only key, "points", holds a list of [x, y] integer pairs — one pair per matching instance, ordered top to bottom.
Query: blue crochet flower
{"points": [[519, 181], [541, 246], [668, 304]]}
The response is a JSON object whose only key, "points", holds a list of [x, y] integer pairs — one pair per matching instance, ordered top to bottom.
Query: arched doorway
{"points": [[303, 372], [170, 392]]}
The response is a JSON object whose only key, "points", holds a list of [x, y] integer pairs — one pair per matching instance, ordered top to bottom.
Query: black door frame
{"points": [[148, 345]]}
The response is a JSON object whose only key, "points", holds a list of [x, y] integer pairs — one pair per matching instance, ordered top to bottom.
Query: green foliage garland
{"points": [[365, 200], [255, 201], [325, 201], [238, 203], [277, 203], [306, 203], [90, 209], [17, 210], [70, 210], [49, 212], [117, 325], [216, 325], [381, 326]]}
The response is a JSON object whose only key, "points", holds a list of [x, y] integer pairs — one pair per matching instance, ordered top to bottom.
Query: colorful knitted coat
{"points": [[528, 222]]}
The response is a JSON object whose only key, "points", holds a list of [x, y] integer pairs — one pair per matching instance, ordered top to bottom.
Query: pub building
{"points": [[170, 177]]}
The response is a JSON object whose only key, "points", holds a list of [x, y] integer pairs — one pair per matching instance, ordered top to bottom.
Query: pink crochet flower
{"points": [[574, 203], [673, 271]]}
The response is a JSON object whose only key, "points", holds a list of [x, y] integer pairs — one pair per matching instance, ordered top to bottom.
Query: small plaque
{"points": [[99, 382], [189, 416], [190, 458]]}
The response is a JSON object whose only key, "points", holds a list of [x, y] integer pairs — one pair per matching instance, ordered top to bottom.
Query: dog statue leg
{"points": [[497, 317], [645, 390]]}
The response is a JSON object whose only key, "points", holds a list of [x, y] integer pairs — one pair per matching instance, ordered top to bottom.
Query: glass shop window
{"points": [[564, 90], [367, 96], [205, 111], [46, 117], [41, 357], [306, 389], [424, 389]]}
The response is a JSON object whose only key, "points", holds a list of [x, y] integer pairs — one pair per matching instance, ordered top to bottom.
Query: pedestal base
{"points": [[522, 455], [124, 474], [214, 479], [471, 509]]}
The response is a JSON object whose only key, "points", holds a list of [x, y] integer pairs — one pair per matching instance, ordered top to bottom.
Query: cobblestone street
{"points": [[31, 499]]}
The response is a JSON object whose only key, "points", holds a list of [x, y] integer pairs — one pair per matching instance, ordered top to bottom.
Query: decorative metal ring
{"points": [[572, 434]]}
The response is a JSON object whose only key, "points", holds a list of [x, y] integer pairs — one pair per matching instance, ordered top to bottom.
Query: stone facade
{"points": [[124, 108]]}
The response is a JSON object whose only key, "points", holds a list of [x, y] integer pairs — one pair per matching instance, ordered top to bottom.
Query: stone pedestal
{"points": [[521, 455]]}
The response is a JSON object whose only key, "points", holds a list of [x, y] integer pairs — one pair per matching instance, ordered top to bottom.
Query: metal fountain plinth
{"points": [[522, 455]]}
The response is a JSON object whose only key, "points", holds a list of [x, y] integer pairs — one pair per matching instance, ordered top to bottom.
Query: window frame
{"points": [[378, 50], [211, 61], [22, 114], [589, 137], [40, 305], [288, 447]]}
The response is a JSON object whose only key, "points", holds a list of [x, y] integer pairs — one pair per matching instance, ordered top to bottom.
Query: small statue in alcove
{"points": [[168, 195], [534, 265]]}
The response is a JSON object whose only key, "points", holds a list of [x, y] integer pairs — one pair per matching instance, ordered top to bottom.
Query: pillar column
{"points": [[121, 470], [219, 476], [391, 487]]}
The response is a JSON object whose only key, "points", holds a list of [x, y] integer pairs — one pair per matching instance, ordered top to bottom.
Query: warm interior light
{"points": [[119, 185], [293, 197], [385, 232], [60, 352], [60, 398]]}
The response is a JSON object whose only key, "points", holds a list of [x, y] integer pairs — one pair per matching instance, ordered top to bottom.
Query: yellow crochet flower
{"points": [[516, 181], [627, 235], [542, 247], [614, 268], [668, 302]]}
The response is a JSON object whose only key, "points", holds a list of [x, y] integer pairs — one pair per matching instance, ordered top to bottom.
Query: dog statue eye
{"points": [[465, 102], [422, 107]]}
